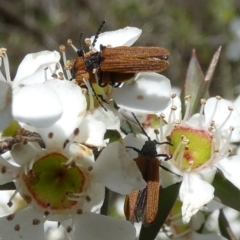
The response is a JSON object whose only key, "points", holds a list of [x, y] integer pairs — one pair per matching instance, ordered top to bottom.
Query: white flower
{"points": [[233, 46], [31, 100], [199, 148], [63, 182], [57, 192], [181, 231]]}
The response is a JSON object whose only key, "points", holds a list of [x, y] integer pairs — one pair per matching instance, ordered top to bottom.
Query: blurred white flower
{"points": [[233, 47], [181, 231]]}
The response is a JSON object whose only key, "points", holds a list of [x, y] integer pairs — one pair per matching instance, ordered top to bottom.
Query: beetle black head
{"points": [[149, 150]]}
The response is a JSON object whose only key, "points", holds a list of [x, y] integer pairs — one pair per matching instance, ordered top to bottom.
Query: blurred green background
{"points": [[181, 25]]}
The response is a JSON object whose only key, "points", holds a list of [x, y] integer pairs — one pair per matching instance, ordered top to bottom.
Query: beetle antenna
{"points": [[98, 32], [80, 51], [144, 132]]}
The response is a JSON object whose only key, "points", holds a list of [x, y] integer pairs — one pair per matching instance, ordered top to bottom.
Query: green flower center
{"points": [[191, 147], [51, 182]]}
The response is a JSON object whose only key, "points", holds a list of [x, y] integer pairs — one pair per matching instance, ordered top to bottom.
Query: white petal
{"points": [[122, 37], [35, 63], [176, 90], [148, 93], [5, 104], [237, 104], [36, 105], [74, 108], [221, 113], [176, 114], [110, 117], [142, 118], [195, 119], [235, 119], [235, 122], [91, 131], [235, 137], [136, 141], [24, 153], [84, 153], [230, 168], [11, 171], [117, 171], [208, 174], [6, 178], [169, 178], [96, 192], [194, 193], [212, 206], [23, 220], [198, 220], [92, 226], [54, 231], [209, 236]]}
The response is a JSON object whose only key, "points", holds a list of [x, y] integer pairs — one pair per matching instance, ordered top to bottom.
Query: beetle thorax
{"points": [[93, 61], [149, 150]]}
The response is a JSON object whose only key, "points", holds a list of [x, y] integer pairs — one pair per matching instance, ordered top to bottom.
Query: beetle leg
{"points": [[100, 84], [102, 99], [160, 143], [135, 149], [164, 155], [168, 170]]}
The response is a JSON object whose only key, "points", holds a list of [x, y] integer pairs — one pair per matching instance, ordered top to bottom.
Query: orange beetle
{"points": [[116, 65], [143, 205]]}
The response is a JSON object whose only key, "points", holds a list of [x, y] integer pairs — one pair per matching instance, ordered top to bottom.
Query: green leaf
{"points": [[211, 70], [193, 82], [196, 85], [112, 135], [225, 192], [168, 197], [104, 208], [224, 227]]}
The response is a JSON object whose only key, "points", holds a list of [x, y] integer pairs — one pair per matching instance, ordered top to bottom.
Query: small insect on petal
{"points": [[116, 65], [153, 189], [143, 205]]}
